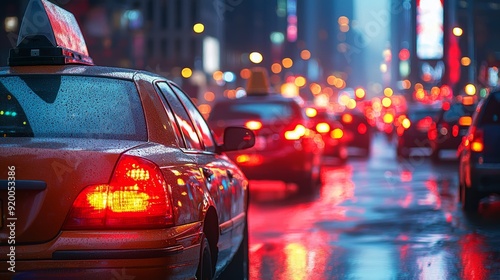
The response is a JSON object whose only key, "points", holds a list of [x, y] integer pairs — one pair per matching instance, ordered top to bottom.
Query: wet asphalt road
{"points": [[374, 218]]}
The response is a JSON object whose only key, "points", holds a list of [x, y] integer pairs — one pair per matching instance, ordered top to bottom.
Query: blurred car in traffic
{"points": [[325, 122], [451, 125], [413, 128], [357, 131], [286, 149], [479, 155], [110, 171]]}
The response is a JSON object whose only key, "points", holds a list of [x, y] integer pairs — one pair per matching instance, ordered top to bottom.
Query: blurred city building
{"points": [[157, 35], [199, 44], [444, 45]]}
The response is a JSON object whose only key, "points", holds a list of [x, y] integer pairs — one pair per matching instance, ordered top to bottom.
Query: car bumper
{"points": [[354, 139], [414, 140], [449, 143], [333, 147], [280, 164], [147, 254]]}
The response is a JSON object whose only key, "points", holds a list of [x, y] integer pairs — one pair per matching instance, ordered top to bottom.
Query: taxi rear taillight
{"points": [[136, 197]]}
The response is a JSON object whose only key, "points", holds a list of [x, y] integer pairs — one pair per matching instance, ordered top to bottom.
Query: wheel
{"points": [[470, 200], [238, 267], [204, 271]]}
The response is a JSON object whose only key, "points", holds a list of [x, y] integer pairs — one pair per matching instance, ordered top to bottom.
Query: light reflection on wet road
{"points": [[375, 218]]}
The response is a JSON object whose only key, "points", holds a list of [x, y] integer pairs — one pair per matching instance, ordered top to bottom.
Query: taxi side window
{"points": [[182, 118], [198, 120]]}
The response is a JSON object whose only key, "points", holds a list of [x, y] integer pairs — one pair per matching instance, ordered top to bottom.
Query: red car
{"points": [[325, 123], [286, 149], [110, 173]]}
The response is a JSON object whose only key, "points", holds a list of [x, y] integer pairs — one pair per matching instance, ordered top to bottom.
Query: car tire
{"points": [[238, 268], [204, 271]]}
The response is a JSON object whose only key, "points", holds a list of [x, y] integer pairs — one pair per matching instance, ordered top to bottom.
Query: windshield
{"points": [[70, 106]]}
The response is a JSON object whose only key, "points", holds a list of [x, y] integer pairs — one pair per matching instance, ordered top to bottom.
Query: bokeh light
{"points": [[256, 57]]}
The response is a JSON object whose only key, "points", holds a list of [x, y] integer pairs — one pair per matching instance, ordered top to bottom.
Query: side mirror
{"points": [[237, 138]]}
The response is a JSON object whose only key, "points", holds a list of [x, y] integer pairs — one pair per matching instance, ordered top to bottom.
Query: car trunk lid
{"points": [[47, 175]]}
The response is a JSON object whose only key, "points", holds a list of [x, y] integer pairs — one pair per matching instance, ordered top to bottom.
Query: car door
{"points": [[202, 149], [232, 182]]}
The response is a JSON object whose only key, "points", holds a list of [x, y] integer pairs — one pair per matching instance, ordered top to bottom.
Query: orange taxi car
{"points": [[110, 173]]}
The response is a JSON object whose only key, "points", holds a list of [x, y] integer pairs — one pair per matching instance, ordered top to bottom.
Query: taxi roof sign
{"points": [[49, 35], [257, 83]]}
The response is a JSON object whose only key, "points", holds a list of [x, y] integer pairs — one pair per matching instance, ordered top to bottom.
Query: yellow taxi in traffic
{"points": [[110, 173]]}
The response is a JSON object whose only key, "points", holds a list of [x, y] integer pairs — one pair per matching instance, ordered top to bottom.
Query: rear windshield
{"points": [[70, 106], [268, 111]]}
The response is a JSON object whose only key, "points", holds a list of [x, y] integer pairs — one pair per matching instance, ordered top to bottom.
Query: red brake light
{"points": [[468, 100], [311, 112], [347, 118], [388, 118], [465, 121], [406, 123], [424, 124], [253, 125], [322, 127], [362, 128], [455, 130], [432, 132], [296, 133], [337, 133], [477, 143], [249, 159], [136, 197]]}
